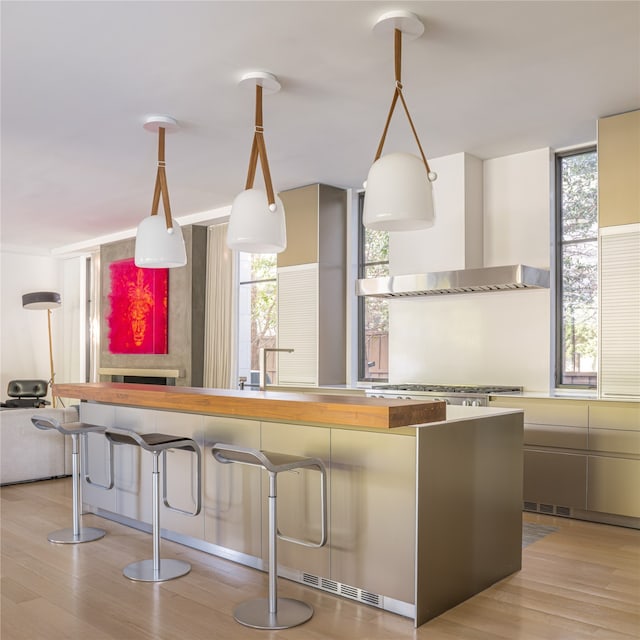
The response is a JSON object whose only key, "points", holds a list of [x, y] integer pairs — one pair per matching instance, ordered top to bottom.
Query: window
{"points": [[577, 268], [257, 313], [373, 313]]}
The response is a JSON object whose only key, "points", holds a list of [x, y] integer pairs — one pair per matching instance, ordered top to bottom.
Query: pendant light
{"points": [[399, 194], [257, 220], [159, 241]]}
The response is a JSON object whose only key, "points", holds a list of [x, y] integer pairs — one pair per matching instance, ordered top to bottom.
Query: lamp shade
{"points": [[399, 195], [253, 227], [156, 248], [41, 300]]}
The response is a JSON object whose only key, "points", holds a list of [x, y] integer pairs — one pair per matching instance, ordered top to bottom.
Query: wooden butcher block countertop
{"points": [[338, 410]]}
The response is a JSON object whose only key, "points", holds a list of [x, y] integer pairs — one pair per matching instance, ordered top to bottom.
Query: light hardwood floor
{"points": [[579, 583]]}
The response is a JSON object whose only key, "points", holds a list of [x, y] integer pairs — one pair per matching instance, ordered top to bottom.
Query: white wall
{"points": [[518, 193], [455, 240], [480, 338], [24, 343], [71, 366]]}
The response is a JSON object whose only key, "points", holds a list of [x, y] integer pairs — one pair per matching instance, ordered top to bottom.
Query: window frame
{"points": [[559, 246], [362, 273], [248, 284]]}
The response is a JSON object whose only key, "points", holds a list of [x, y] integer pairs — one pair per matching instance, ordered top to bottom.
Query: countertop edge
{"points": [[339, 410]]}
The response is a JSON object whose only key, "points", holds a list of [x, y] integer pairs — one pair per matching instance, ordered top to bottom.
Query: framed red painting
{"points": [[138, 318]]}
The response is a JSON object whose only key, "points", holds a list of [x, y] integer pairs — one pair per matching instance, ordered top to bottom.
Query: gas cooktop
{"points": [[444, 388], [463, 394]]}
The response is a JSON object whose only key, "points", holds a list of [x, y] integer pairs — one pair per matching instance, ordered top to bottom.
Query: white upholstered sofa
{"points": [[27, 453]]}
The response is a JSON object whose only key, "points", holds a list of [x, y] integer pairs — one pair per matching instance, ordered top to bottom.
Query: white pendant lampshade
{"points": [[399, 194], [257, 220], [253, 226], [159, 241], [158, 247]]}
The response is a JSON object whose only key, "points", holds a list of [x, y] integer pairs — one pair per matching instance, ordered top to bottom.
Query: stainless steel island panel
{"points": [[232, 495], [299, 505], [373, 512], [469, 514], [419, 518]]}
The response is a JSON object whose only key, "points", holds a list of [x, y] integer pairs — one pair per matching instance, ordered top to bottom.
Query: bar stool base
{"points": [[86, 534], [143, 571], [255, 613]]}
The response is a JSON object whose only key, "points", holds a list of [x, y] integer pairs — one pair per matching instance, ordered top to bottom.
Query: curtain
{"points": [[220, 316], [93, 333]]}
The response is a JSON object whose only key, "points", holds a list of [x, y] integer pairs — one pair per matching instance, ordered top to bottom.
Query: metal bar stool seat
{"points": [[76, 533], [159, 569], [273, 612]]}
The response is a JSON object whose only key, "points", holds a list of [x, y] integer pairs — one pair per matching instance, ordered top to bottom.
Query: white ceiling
{"points": [[78, 79]]}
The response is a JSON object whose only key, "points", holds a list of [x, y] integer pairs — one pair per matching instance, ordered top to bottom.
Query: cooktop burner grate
{"points": [[449, 389]]}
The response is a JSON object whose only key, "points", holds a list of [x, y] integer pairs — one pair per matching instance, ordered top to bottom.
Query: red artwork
{"points": [[138, 319]]}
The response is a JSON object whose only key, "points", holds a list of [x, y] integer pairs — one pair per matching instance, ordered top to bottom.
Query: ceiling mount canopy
{"points": [[399, 195], [257, 221], [159, 241]]}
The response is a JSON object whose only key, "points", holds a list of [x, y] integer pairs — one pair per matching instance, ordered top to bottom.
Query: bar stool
{"points": [[76, 534], [157, 569], [274, 612]]}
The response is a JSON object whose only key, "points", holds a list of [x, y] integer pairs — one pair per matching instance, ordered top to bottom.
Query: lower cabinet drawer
{"points": [[615, 415], [549, 435], [614, 441], [555, 478], [612, 486]]}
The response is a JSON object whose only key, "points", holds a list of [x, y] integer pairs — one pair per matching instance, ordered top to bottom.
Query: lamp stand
{"points": [[45, 300], [53, 375]]}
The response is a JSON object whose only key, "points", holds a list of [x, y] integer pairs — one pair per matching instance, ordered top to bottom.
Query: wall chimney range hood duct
{"points": [[505, 278]]}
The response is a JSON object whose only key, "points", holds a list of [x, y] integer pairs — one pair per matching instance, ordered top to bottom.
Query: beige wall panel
{"points": [[618, 169], [301, 213]]}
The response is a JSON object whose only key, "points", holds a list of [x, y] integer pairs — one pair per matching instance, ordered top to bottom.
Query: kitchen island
{"points": [[425, 505]]}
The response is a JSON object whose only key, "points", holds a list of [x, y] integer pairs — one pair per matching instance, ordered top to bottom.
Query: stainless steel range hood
{"points": [[510, 277]]}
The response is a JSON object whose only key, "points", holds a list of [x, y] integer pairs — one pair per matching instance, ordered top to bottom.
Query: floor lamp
{"points": [[45, 300]]}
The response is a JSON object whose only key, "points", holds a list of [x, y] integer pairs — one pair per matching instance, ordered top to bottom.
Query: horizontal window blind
{"points": [[620, 312], [298, 324]]}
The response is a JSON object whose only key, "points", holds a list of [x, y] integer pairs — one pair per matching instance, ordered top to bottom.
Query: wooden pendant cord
{"points": [[398, 94], [258, 148], [161, 183]]}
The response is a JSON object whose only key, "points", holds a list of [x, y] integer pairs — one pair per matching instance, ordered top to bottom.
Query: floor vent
{"points": [[547, 508], [309, 578], [329, 585], [350, 592], [354, 593], [371, 598]]}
